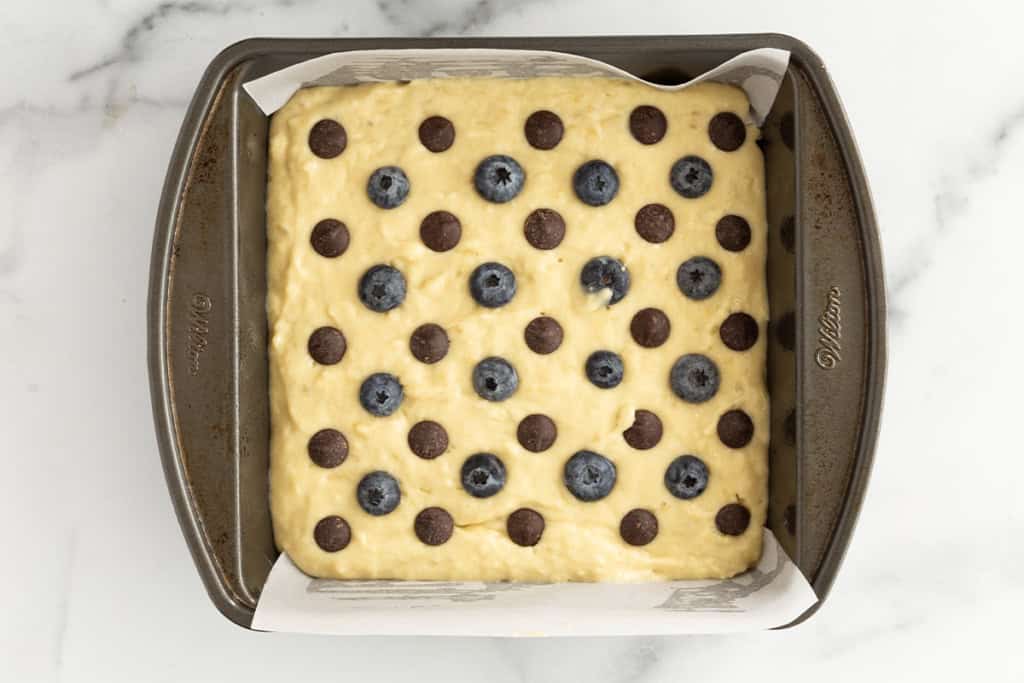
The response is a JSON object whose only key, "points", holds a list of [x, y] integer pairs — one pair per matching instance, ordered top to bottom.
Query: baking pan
{"points": [[207, 325]]}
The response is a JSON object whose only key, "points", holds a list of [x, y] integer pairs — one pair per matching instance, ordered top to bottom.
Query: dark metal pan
{"points": [[208, 327]]}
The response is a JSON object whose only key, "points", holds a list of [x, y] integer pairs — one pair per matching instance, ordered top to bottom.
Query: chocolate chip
{"points": [[647, 124], [543, 129], [787, 129], [727, 131], [437, 133], [327, 138], [655, 223], [544, 228], [440, 231], [733, 232], [787, 233], [329, 238], [650, 328], [785, 331], [738, 332], [543, 335], [429, 343], [326, 345], [789, 427], [735, 428], [537, 433], [645, 433], [428, 439], [328, 448], [733, 519], [789, 519], [433, 526], [525, 527], [638, 527], [332, 534]]}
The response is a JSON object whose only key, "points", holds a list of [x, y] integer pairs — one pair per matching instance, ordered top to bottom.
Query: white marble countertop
{"points": [[97, 583]]}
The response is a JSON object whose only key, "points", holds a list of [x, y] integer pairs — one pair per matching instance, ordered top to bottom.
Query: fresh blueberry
{"points": [[691, 177], [499, 178], [596, 183], [388, 187], [605, 272], [699, 277], [492, 285], [382, 288], [605, 369], [694, 378], [495, 379], [381, 394], [483, 475], [589, 476], [686, 477], [378, 493]]}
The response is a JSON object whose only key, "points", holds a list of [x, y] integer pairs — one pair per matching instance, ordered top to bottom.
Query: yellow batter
{"points": [[581, 541]]}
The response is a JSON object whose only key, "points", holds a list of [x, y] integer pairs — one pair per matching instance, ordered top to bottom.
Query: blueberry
{"points": [[691, 177], [499, 178], [595, 183], [388, 187], [605, 272], [699, 277], [492, 284], [382, 288], [605, 369], [694, 378], [495, 379], [381, 394], [483, 475], [589, 476], [686, 477], [378, 493]]}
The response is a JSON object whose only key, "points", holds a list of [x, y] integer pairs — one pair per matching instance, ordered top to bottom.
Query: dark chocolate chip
{"points": [[647, 124], [543, 129], [787, 129], [727, 131], [437, 133], [327, 138], [655, 223], [544, 228], [440, 231], [733, 232], [787, 233], [329, 238], [650, 328], [785, 331], [738, 332], [543, 335], [429, 343], [326, 345], [789, 427], [735, 428], [646, 431], [537, 433], [428, 439], [328, 448], [733, 519], [789, 519], [434, 526], [525, 527], [638, 527], [332, 534]]}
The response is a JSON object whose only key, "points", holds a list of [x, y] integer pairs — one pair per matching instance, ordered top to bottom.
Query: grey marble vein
{"points": [[411, 17], [64, 605]]}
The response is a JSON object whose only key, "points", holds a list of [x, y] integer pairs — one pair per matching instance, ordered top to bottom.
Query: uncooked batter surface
{"points": [[325, 145]]}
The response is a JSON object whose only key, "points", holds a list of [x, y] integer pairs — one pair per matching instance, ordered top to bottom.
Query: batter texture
{"points": [[581, 541]]}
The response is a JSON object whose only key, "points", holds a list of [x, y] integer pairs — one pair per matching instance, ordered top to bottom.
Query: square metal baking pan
{"points": [[207, 323]]}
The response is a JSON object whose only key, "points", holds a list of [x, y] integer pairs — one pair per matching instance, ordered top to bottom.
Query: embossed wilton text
{"points": [[198, 330], [830, 331]]}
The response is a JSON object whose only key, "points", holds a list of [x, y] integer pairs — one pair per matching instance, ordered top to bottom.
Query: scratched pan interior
{"points": [[208, 326]]}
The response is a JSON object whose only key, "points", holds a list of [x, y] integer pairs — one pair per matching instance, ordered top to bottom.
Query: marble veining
{"points": [[97, 584]]}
